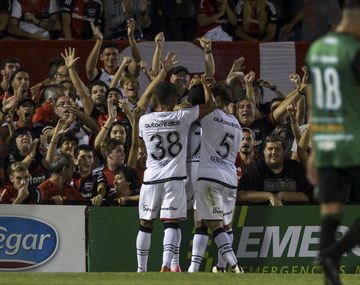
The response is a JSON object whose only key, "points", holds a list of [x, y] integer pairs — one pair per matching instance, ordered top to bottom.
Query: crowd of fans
{"points": [[217, 20], [67, 140]]}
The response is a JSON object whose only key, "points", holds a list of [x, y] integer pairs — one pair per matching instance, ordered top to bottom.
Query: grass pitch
{"points": [[165, 279]]}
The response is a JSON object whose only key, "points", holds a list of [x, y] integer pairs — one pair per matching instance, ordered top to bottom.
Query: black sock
{"points": [[329, 224], [349, 240]]}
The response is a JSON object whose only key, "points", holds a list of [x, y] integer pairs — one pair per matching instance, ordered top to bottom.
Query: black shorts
{"points": [[335, 183]]}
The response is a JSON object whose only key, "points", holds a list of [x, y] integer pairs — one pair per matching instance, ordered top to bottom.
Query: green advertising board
{"points": [[266, 240]]}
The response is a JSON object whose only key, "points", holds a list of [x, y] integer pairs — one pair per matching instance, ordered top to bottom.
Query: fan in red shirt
{"points": [[56, 189], [17, 191]]}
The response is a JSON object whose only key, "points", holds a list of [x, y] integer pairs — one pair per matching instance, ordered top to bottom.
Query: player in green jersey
{"points": [[334, 62]]}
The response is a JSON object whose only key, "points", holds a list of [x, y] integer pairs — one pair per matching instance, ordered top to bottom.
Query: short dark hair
{"points": [[109, 45], [5, 61], [54, 65], [21, 69], [96, 83], [112, 89], [223, 92], [166, 93], [196, 95], [249, 131], [69, 136], [275, 138], [110, 145], [83, 147], [63, 160], [129, 174]]}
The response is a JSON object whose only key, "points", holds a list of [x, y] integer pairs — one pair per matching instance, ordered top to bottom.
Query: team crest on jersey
{"points": [[92, 12], [88, 186]]}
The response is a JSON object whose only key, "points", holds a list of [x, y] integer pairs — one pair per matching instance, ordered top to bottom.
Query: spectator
{"points": [[5, 10], [116, 14], [210, 14], [76, 16], [34, 19], [256, 20], [7, 68], [23, 148], [246, 154], [274, 179], [92, 187], [56, 189], [17, 190], [125, 192]]}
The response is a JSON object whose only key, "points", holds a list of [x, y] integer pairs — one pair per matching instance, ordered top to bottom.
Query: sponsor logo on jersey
{"points": [[222, 121], [162, 124], [220, 160], [88, 186], [25, 242]]}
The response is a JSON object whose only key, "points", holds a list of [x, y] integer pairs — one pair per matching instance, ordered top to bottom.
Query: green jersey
{"points": [[335, 100]]}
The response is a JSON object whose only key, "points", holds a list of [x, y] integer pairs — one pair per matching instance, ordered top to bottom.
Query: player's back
{"points": [[335, 100], [165, 135], [220, 142]]}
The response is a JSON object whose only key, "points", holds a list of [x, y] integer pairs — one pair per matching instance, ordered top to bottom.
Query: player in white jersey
{"points": [[165, 134], [215, 194]]}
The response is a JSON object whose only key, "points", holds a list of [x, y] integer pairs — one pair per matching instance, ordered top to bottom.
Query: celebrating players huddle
{"points": [[165, 133]]}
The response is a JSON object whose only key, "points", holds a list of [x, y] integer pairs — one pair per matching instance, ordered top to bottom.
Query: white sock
{"points": [[143, 242], [223, 243], [169, 244], [199, 245], [175, 259], [221, 261]]}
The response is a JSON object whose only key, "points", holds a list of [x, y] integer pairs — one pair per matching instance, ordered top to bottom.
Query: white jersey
{"points": [[165, 135], [220, 142], [194, 143]]}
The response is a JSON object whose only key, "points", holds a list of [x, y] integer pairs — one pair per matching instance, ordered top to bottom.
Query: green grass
{"points": [[165, 279]]}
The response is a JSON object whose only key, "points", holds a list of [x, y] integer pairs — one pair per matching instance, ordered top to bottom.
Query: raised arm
{"points": [[159, 45], [209, 58], [91, 62], [167, 64], [134, 66], [119, 73], [81, 89], [210, 104], [133, 117], [59, 131], [101, 136]]}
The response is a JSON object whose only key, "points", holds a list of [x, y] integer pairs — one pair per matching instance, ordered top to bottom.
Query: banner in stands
{"points": [[45, 238], [266, 240]]}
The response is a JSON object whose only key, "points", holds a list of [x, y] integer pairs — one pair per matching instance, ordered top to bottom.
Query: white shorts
{"points": [[168, 198], [214, 201]]}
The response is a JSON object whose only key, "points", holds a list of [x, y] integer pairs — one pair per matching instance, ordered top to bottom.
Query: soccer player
{"points": [[334, 62], [165, 134], [215, 194]]}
